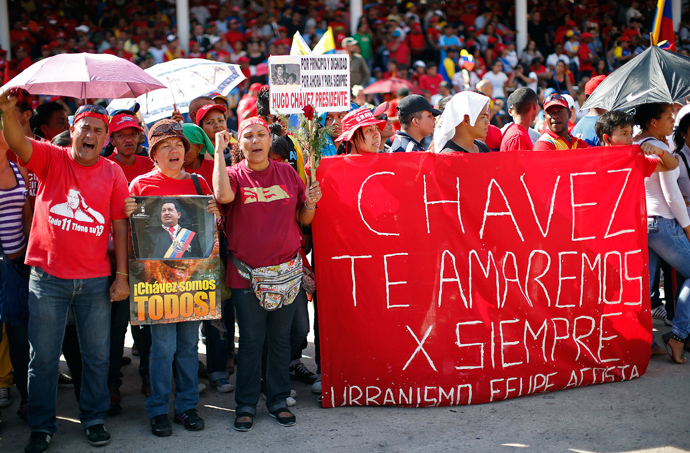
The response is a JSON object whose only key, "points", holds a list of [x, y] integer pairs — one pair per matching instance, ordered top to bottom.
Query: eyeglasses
{"points": [[554, 97], [89, 108], [126, 111], [168, 127]]}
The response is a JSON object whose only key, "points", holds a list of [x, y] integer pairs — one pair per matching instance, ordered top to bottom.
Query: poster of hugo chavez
{"points": [[174, 264]]}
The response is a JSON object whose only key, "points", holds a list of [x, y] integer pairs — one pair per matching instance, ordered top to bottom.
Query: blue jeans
{"points": [[668, 241], [49, 300], [256, 326], [173, 345], [220, 346]]}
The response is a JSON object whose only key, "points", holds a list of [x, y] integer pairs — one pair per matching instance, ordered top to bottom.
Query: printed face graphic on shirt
{"points": [[264, 194], [76, 208]]}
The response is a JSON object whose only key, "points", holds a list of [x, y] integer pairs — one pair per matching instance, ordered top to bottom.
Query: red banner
{"points": [[465, 279]]}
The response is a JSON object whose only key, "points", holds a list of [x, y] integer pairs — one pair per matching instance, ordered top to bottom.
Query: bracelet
{"points": [[311, 209], [121, 273]]}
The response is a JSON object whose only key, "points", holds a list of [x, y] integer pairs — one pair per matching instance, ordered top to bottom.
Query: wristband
{"points": [[311, 209], [121, 273]]}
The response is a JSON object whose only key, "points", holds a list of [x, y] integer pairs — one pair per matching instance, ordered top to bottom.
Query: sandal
{"points": [[666, 338], [284, 420], [244, 426]]}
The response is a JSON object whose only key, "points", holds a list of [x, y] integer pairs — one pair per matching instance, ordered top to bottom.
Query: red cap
{"points": [[570, 24], [586, 35], [624, 38], [492, 40], [45, 47], [243, 59], [593, 83], [255, 87], [555, 99], [207, 108], [362, 117], [123, 121], [250, 122]]}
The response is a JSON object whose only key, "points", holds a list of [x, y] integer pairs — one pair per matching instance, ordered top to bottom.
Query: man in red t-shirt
{"points": [[585, 55], [431, 80], [523, 107], [79, 196]]}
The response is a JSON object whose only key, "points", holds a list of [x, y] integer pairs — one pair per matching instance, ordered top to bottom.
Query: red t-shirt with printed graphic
{"points": [[75, 206], [262, 226]]}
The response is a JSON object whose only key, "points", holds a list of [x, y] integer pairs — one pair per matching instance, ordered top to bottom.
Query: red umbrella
{"points": [[391, 86]]}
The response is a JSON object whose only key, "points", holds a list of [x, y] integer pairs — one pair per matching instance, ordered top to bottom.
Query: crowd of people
{"points": [[477, 94]]}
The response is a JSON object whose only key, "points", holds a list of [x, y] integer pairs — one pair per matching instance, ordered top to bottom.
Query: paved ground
{"points": [[647, 414]]}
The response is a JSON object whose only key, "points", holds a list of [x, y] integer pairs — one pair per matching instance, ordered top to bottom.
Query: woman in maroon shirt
{"points": [[265, 201]]}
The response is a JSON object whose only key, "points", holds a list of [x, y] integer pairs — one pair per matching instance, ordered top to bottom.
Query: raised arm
{"points": [[12, 130], [221, 181]]}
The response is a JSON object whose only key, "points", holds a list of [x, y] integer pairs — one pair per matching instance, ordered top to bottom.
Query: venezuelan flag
{"points": [[663, 35], [326, 44], [299, 45]]}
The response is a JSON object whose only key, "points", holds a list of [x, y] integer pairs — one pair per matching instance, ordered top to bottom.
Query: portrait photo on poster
{"points": [[284, 74], [172, 228]]}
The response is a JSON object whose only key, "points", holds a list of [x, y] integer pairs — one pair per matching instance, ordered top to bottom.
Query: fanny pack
{"points": [[275, 285]]}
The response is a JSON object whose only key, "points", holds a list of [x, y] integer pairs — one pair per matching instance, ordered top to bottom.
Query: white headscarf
{"points": [[464, 103]]}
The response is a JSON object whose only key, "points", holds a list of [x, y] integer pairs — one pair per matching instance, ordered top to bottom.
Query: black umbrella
{"points": [[656, 75]]}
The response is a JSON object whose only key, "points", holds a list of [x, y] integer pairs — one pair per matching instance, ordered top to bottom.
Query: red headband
{"points": [[100, 116], [250, 122]]}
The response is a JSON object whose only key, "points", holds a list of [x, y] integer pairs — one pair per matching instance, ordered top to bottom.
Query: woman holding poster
{"points": [[265, 202], [173, 344]]}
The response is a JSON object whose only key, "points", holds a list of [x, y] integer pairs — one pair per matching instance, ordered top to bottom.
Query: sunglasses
{"points": [[554, 97], [91, 109], [127, 111], [383, 117], [169, 127]]}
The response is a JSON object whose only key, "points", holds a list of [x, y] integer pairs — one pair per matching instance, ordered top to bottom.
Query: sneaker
{"points": [[659, 313], [134, 350], [300, 372], [65, 382], [223, 385], [316, 386], [202, 388], [293, 393], [5, 398], [290, 401], [190, 420], [160, 426], [97, 435], [38, 442]]}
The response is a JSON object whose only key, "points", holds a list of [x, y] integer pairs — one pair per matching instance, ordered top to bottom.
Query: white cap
{"points": [[83, 28], [419, 63], [571, 101]]}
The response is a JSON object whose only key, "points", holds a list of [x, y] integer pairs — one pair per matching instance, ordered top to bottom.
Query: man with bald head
{"points": [[65, 276]]}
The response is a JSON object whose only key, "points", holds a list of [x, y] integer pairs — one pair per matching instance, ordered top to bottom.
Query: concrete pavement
{"points": [[648, 414]]}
